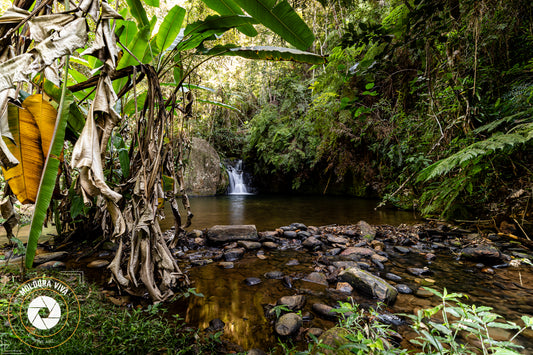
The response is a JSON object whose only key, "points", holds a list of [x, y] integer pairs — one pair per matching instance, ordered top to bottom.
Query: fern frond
{"points": [[522, 134]]}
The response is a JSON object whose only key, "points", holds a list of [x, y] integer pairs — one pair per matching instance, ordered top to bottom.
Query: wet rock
{"points": [[299, 226], [287, 228], [366, 230], [195, 233], [223, 234], [290, 234], [303, 234], [268, 235], [336, 239], [312, 243], [248, 245], [270, 245], [378, 245], [401, 249], [333, 251], [358, 251], [481, 253], [104, 254], [233, 254], [430, 256], [42, 258], [379, 258], [201, 262], [293, 262], [52, 264], [97, 264], [226, 264], [344, 264], [363, 265], [379, 265], [488, 270], [419, 271], [275, 275], [317, 277], [392, 277], [252, 281], [287, 281], [425, 282], [370, 284], [344, 287], [402, 288], [423, 293], [294, 303], [324, 311], [390, 319], [288, 324], [215, 325], [316, 332], [333, 339]]}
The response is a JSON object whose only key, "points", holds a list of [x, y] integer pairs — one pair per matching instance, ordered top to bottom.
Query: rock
{"points": [[203, 176], [299, 226], [287, 228], [366, 230], [223, 234], [290, 234], [303, 234], [268, 235], [335, 239], [312, 243], [248, 245], [270, 245], [378, 245], [109, 246], [401, 249], [333, 251], [358, 251], [482, 253], [233, 254], [430, 256], [42, 258], [379, 258], [201, 262], [292, 262], [52, 264], [97, 264], [226, 264], [344, 264], [363, 265], [488, 270], [419, 271], [276, 275], [317, 277], [392, 277], [252, 281], [287, 281], [425, 282], [372, 285], [344, 287], [402, 288], [423, 293], [294, 303], [324, 311], [390, 319], [288, 324], [215, 325], [316, 332], [333, 339], [256, 352]]}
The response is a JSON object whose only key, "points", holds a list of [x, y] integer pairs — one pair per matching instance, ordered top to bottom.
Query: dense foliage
{"points": [[425, 103]]}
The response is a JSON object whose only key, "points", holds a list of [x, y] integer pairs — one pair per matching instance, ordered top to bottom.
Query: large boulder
{"points": [[203, 176], [223, 234], [369, 284]]}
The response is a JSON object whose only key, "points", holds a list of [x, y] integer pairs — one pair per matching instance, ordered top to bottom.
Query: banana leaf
{"points": [[229, 7], [170, 27], [267, 53]]}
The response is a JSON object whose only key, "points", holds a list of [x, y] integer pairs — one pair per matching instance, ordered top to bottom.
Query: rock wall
{"points": [[203, 174]]}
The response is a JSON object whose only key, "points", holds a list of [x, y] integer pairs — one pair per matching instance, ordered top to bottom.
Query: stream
{"points": [[243, 308]]}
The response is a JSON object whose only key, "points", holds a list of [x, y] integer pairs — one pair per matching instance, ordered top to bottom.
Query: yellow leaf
{"points": [[32, 127]]}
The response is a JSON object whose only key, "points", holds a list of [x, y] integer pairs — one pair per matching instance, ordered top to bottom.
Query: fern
{"points": [[499, 141]]}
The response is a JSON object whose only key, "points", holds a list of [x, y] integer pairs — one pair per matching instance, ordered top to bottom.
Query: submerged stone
{"points": [[249, 245], [482, 253], [233, 254], [276, 275], [317, 277], [252, 281], [402, 288], [294, 303], [324, 311], [288, 324], [333, 339]]}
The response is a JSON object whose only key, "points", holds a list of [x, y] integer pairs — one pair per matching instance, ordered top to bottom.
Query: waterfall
{"points": [[237, 184]]}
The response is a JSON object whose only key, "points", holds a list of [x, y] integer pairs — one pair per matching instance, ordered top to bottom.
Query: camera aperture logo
{"points": [[44, 312]]}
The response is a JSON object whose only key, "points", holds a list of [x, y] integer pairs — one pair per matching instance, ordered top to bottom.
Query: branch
{"points": [[94, 80]]}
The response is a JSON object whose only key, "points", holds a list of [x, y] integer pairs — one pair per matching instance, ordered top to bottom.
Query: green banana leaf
{"points": [[229, 7], [137, 11], [281, 18], [170, 27], [267, 53], [221, 104]]}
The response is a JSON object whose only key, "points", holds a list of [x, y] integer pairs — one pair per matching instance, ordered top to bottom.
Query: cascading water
{"points": [[237, 185]]}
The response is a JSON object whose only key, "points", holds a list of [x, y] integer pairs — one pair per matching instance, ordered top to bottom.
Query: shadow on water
{"points": [[268, 212]]}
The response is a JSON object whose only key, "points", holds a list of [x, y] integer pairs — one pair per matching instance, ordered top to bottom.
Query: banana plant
{"points": [[121, 55]]}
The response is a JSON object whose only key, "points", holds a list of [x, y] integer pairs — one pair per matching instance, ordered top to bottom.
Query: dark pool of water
{"points": [[272, 211]]}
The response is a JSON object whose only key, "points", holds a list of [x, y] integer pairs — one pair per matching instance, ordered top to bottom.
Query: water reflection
{"points": [[269, 212]]}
